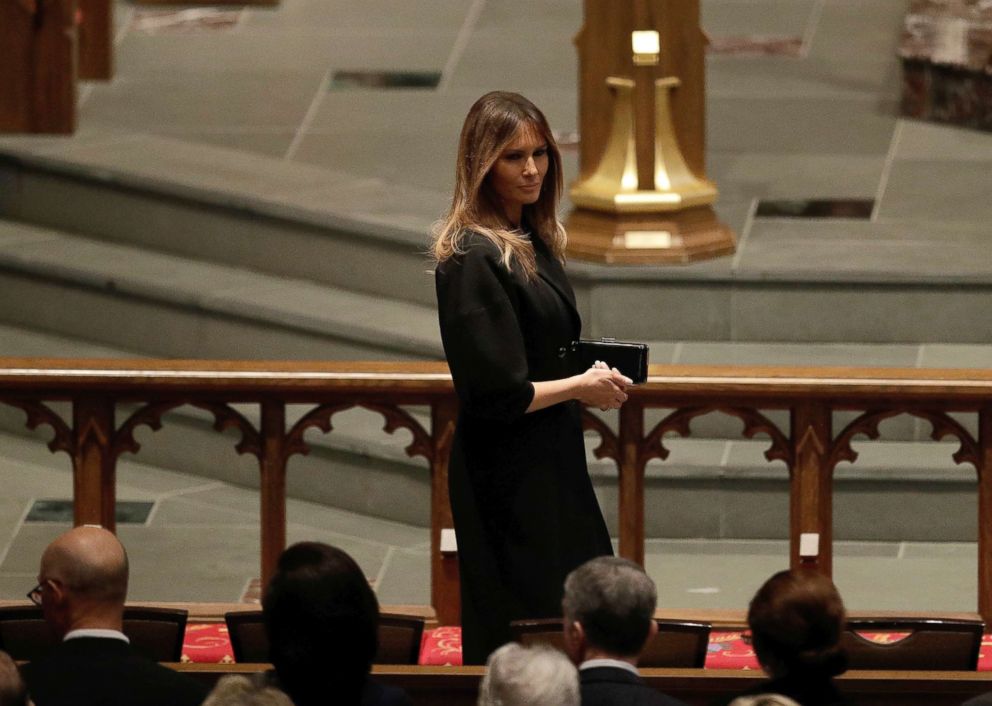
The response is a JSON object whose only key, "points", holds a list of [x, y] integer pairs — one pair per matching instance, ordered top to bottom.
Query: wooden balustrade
{"points": [[94, 439]]}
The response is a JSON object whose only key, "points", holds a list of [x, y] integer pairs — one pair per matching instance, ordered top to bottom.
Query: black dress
{"points": [[524, 509]]}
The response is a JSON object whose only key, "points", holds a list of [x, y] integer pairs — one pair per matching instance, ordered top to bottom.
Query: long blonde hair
{"points": [[490, 126]]}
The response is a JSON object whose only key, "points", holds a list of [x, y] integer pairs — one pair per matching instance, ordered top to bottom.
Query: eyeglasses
{"points": [[34, 595]]}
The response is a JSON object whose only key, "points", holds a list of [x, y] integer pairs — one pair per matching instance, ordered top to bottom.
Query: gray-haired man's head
{"points": [[613, 601]]}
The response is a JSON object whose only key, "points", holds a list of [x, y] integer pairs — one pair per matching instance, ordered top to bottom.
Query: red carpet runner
{"points": [[208, 642]]}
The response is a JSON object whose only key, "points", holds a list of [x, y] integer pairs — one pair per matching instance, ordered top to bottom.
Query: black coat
{"points": [[524, 509], [96, 671], [613, 686]]}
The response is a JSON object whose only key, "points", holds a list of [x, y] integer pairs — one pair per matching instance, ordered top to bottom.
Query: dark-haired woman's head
{"points": [[500, 132], [321, 618], [796, 619]]}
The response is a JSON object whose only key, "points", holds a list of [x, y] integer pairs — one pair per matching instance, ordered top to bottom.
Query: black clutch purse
{"points": [[631, 359]]}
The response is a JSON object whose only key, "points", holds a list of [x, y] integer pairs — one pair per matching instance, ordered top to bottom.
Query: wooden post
{"points": [[96, 39], [37, 66], [642, 113], [272, 465], [94, 477], [631, 482], [811, 485], [985, 514], [445, 581]]}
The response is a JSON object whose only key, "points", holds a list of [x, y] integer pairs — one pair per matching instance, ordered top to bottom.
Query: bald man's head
{"points": [[89, 567]]}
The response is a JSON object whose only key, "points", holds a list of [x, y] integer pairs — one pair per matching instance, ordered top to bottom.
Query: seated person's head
{"points": [[82, 580], [608, 608], [321, 618], [796, 619], [529, 676], [12, 689], [237, 690], [761, 700]]}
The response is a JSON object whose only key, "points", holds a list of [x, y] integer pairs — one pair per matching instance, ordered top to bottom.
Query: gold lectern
{"points": [[642, 195]]}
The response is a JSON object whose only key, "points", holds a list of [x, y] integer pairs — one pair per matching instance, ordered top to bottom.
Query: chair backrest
{"points": [[246, 631], [156, 633], [24, 634], [399, 637], [678, 643], [931, 644]]}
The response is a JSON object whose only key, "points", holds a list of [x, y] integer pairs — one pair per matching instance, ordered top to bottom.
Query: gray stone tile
{"points": [[343, 16], [757, 17], [859, 27], [280, 51], [870, 77], [211, 100], [799, 126], [924, 141], [271, 142], [403, 158], [742, 177], [936, 191], [734, 214], [866, 249], [636, 311], [871, 314], [25, 342], [799, 354], [949, 355], [878, 510], [178, 511], [310, 515], [26, 550], [891, 550], [967, 551], [210, 562], [406, 579], [687, 580], [877, 583], [14, 587]]}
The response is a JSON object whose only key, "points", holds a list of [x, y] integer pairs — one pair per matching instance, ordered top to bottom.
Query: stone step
{"points": [[230, 207], [792, 280], [170, 306], [708, 487]]}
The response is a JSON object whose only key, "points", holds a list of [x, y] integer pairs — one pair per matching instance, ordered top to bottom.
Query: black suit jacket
{"points": [[524, 509], [94, 671], [613, 686]]}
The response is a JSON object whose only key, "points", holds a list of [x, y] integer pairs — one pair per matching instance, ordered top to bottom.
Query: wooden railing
{"points": [[809, 447]]}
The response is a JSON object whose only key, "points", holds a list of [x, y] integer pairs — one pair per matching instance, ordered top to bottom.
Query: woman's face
{"points": [[518, 173]]}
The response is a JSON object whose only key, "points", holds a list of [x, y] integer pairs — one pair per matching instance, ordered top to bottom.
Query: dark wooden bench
{"points": [[458, 686]]}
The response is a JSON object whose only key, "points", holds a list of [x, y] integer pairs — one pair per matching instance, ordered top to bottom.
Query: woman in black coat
{"points": [[524, 509]]}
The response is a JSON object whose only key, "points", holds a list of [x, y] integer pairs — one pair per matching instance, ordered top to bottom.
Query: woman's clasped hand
{"points": [[603, 387]]}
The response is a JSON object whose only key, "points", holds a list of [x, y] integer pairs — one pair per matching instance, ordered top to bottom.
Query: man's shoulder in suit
{"points": [[87, 671], [613, 686]]}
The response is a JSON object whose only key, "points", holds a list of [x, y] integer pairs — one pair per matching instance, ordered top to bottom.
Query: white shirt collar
{"points": [[96, 632], [604, 662]]}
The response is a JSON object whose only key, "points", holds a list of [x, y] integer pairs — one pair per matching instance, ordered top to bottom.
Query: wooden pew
{"points": [[458, 686]]}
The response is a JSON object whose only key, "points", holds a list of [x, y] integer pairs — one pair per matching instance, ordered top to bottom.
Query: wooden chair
{"points": [[246, 631], [156, 633], [24, 634], [399, 637], [678, 643], [931, 645]]}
